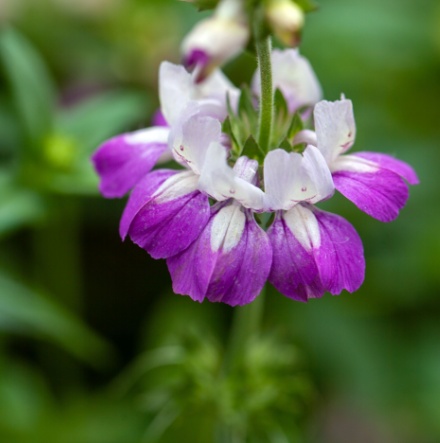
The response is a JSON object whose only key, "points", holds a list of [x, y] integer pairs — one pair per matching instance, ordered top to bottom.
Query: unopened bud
{"points": [[286, 19], [215, 40]]}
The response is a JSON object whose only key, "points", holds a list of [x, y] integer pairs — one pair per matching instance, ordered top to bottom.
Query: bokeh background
{"points": [[95, 348]]}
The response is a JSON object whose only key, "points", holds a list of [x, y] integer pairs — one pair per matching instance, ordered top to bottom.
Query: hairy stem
{"points": [[266, 95]]}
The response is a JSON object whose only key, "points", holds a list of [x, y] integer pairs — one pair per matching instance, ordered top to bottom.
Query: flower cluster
{"points": [[228, 217]]}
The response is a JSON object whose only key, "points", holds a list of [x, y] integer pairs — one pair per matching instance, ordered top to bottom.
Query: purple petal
{"points": [[196, 57], [159, 119], [123, 160], [392, 164], [380, 194], [141, 195], [171, 219], [340, 257], [228, 263], [294, 271]]}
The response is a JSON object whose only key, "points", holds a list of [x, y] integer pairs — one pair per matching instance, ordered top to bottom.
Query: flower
{"points": [[217, 39], [294, 77], [123, 161], [374, 182], [166, 211], [204, 218], [313, 251], [231, 259]]}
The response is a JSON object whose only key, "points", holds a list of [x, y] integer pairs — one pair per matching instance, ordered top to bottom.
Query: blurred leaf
{"points": [[32, 88], [281, 108], [94, 120], [295, 126], [9, 127], [286, 145], [18, 206], [26, 311], [24, 398]]}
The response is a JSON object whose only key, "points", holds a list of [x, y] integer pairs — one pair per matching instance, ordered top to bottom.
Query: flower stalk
{"points": [[267, 95], [246, 323]]}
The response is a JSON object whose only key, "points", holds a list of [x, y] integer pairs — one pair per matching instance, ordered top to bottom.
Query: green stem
{"points": [[266, 96], [246, 323]]}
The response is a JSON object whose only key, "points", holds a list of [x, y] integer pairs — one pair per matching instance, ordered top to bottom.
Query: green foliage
{"points": [[31, 85], [242, 125], [18, 206], [26, 311], [184, 383]]}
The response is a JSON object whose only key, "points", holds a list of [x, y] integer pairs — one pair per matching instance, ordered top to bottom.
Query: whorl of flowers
{"points": [[232, 212]]}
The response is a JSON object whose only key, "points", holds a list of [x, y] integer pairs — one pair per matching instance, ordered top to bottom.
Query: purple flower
{"points": [[123, 161], [374, 182], [166, 211], [203, 218], [313, 251], [231, 259]]}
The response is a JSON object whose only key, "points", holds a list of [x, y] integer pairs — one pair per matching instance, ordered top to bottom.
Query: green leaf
{"points": [[32, 87], [246, 103], [281, 108], [247, 113], [296, 125], [286, 145], [299, 147], [252, 150], [26, 311]]}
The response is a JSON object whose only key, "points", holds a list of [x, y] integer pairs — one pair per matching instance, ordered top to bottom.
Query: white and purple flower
{"points": [[374, 182], [204, 217], [313, 251], [231, 260]]}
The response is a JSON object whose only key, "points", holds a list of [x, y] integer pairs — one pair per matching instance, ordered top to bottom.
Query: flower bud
{"points": [[286, 20], [215, 40]]}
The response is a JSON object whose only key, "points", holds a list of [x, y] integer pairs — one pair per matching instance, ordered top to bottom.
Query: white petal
{"points": [[294, 76], [217, 86], [175, 90], [335, 127], [156, 134], [305, 136], [191, 138], [354, 163], [319, 174], [292, 178], [221, 182], [179, 184], [303, 224], [227, 228]]}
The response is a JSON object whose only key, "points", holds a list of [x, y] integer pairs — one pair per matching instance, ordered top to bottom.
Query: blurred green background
{"points": [[95, 348]]}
